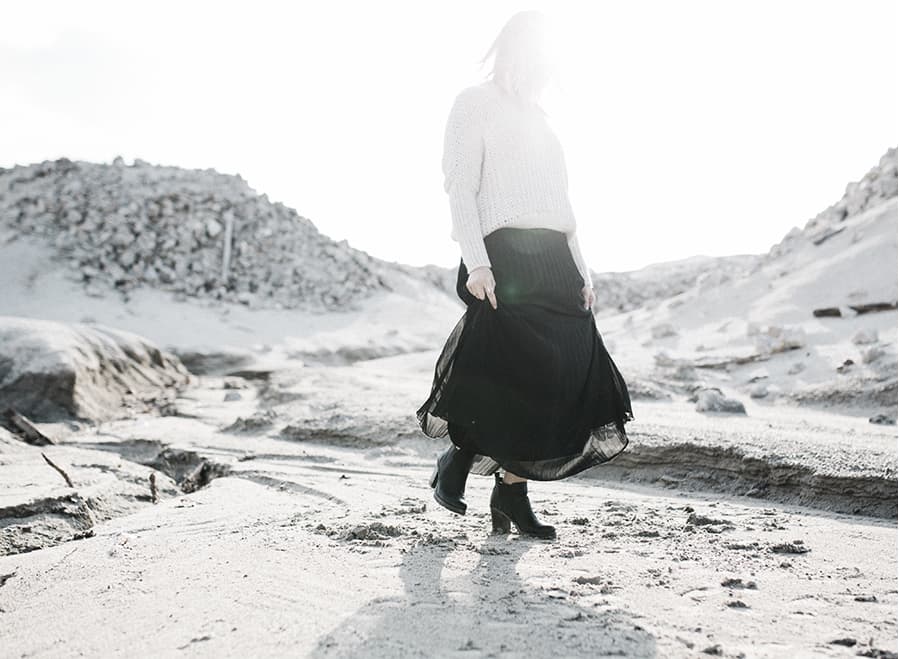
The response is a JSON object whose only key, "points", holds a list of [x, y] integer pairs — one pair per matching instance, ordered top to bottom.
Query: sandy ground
{"points": [[766, 535], [321, 549]]}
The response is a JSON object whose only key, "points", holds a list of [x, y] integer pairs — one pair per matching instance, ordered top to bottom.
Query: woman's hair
{"points": [[524, 61]]}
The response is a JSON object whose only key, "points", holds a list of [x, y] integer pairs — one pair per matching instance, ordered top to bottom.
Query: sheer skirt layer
{"points": [[529, 386]]}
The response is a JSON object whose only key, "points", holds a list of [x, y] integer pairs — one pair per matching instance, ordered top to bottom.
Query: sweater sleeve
{"points": [[463, 153], [575, 248]]}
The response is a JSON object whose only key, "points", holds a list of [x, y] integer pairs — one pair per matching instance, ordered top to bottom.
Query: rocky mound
{"points": [[877, 186], [196, 232], [625, 291], [53, 371]]}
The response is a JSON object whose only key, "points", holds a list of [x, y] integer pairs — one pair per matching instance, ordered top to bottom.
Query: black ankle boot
{"points": [[448, 479], [510, 503]]}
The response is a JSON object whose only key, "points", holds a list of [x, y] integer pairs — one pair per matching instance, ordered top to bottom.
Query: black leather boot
{"points": [[448, 479], [509, 503]]}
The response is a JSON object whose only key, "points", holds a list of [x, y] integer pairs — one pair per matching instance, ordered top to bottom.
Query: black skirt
{"points": [[528, 386]]}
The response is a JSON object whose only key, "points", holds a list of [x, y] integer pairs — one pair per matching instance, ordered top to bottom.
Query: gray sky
{"points": [[689, 127]]}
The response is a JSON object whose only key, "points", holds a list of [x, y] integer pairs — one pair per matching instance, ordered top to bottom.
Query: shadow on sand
{"points": [[450, 609]]}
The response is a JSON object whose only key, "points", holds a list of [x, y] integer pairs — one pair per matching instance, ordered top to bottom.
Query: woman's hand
{"points": [[480, 283], [589, 297]]}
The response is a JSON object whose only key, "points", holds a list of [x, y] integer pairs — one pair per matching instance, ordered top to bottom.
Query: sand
{"points": [[309, 528], [307, 548]]}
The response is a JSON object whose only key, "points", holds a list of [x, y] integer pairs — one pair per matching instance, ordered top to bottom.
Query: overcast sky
{"points": [[689, 127]]}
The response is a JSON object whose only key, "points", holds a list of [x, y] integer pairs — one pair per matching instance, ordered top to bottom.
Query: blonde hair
{"points": [[524, 61]]}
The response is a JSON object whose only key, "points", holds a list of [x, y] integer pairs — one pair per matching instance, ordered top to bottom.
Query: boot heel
{"points": [[434, 478], [501, 523]]}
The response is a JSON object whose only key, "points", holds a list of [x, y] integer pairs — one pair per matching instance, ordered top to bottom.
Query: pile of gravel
{"points": [[195, 232]]}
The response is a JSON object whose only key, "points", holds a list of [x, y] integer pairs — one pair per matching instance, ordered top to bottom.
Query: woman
{"points": [[524, 383]]}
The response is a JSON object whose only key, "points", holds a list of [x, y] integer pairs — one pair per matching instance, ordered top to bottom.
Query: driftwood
{"points": [[827, 234], [226, 247], [873, 306], [857, 308], [724, 363], [251, 374], [21, 425], [57, 468], [154, 493]]}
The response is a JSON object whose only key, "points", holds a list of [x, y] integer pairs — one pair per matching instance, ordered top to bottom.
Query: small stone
{"points": [[213, 228], [663, 330], [865, 336], [872, 354], [845, 366], [759, 390], [712, 399], [883, 419], [795, 547], [738, 583], [848, 641]]}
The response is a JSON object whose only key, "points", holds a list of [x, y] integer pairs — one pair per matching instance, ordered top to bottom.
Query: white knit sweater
{"points": [[504, 166]]}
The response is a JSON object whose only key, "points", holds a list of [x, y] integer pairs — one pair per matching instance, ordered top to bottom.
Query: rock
{"points": [[886, 187], [213, 228], [712, 278], [663, 330], [865, 336], [779, 339], [872, 354], [662, 359], [213, 361], [845, 366], [795, 367], [52, 371], [684, 372], [758, 374], [235, 383], [759, 390], [232, 395], [712, 399], [883, 419], [261, 420], [371, 531], [795, 547], [737, 582]]}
